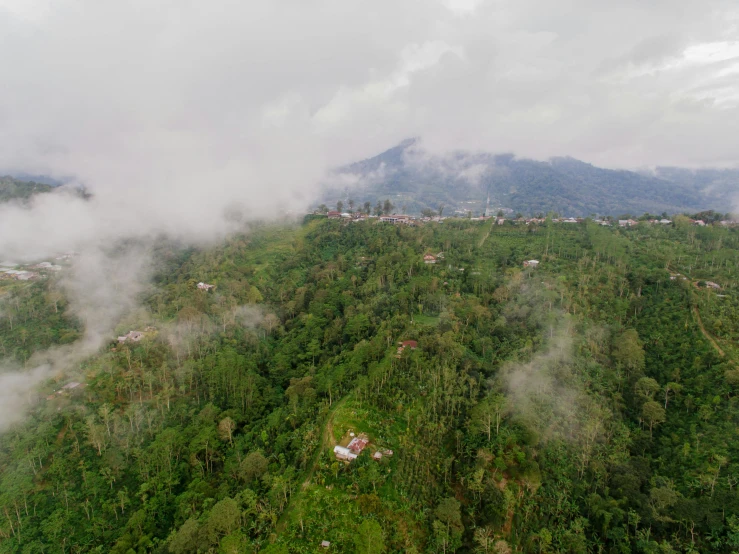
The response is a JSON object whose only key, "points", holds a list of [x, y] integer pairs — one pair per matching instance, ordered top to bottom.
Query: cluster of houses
{"points": [[394, 218], [410, 220], [525, 220], [431, 259], [47, 266], [9, 270], [18, 274], [706, 284], [355, 446], [353, 449]]}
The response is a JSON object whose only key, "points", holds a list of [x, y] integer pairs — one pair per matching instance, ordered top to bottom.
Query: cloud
{"points": [[16, 394]]}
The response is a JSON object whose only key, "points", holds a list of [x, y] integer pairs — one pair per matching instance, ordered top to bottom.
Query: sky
{"points": [[142, 95], [188, 118]]}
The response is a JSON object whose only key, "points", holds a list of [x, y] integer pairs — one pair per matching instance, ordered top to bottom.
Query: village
{"points": [[403, 219], [32, 272], [352, 445]]}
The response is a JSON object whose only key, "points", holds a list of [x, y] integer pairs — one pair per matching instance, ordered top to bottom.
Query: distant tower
{"points": [[487, 207]]}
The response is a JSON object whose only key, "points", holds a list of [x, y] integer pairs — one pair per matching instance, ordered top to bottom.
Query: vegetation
{"points": [[13, 189], [587, 405]]}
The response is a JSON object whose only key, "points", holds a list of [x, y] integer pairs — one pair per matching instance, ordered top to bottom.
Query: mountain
{"points": [[413, 180], [14, 189]]}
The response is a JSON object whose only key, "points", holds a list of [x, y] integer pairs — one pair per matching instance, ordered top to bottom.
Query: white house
{"points": [[343, 453]]}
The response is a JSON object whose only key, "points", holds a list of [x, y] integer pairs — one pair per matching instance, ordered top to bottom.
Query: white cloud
{"points": [[462, 7]]}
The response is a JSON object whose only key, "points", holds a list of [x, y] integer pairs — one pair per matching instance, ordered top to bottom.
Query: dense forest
{"points": [[14, 189], [588, 404]]}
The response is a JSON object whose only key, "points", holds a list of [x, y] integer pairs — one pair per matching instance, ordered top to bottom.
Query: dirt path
{"points": [[490, 230], [699, 320], [706, 333], [327, 440]]}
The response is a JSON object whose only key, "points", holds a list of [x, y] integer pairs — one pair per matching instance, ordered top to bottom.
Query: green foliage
{"points": [[14, 189], [587, 405]]}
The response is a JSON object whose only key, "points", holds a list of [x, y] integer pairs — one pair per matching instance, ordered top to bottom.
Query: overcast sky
{"points": [[91, 84], [173, 111]]}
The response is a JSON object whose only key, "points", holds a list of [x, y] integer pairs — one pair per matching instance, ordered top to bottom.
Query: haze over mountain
{"points": [[415, 179]]}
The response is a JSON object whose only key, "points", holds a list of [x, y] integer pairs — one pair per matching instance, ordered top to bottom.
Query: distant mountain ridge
{"points": [[461, 181]]}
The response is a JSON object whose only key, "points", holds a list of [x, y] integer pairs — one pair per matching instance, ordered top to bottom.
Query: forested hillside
{"points": [[415, 180], [13, 189], [586, 405]]}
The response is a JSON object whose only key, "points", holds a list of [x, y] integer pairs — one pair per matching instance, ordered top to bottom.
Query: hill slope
{"points": [[462, 181], [14, 189], [537, 410]]}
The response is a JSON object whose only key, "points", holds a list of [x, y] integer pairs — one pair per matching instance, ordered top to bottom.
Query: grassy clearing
{"points": [[430, 320]]}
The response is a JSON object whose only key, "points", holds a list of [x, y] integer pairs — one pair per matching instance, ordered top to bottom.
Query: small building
{"points": [[334, 215], [665, 221], [626, 222], [699, 223], [429, 259], [531, 263], [712, 285], [205, 286], [134, 336], [406, 344], [358, 444], [344, 454], [377, 456], [325, 544]]}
